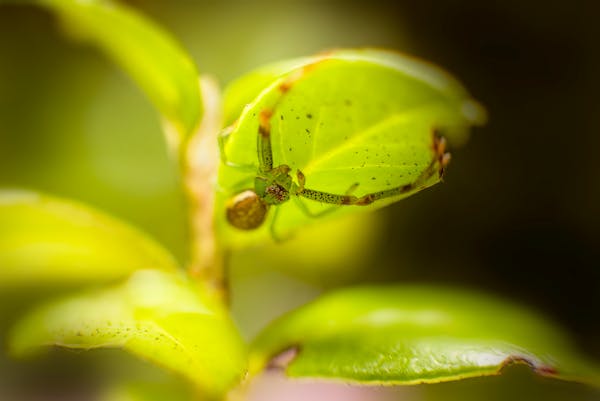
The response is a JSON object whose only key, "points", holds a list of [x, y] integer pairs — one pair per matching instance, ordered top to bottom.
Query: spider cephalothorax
{"points": [[248, 209]]}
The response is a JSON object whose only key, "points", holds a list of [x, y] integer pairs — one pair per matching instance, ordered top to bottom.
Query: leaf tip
{"points": [[474, 112], [549, 369]]}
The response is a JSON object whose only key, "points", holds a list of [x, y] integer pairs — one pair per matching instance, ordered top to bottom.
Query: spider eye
{"points": [[279, 193], [246, 210]]}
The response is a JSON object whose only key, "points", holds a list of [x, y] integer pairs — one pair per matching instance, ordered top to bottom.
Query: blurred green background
{"points": [[519, 214]]}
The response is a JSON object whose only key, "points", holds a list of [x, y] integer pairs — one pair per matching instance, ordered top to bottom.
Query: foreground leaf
{"points": [[147, 52], [363, 117], [46, 241], [158, 316], [410, 334], [516, 384]]}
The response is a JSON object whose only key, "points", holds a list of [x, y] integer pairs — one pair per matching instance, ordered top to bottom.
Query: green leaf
{"points": [[148, 53], [245, 89], [342, 118], [48, 241], [161, 317], [417, 334]]}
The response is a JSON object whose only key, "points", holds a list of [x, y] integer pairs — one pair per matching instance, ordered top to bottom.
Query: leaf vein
{"points": [[358, 137]]}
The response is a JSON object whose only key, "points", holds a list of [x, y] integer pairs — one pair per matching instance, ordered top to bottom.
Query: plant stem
{"points": [[200, 162]]}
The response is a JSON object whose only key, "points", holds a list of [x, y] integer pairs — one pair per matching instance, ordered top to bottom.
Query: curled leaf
{"points": [[353, 122], [410, 334]]}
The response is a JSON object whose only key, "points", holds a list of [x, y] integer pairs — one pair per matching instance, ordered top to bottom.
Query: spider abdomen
{"points": [[246, 210]]}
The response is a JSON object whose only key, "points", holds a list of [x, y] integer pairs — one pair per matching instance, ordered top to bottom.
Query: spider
{"points": [[274, 185]]}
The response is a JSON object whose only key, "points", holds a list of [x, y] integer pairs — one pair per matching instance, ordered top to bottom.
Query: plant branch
{"points": [[200, 164]]}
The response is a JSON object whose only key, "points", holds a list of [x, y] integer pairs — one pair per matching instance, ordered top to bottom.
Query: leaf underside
{"points": [[363, 117], [158, 316], [408, 334]]}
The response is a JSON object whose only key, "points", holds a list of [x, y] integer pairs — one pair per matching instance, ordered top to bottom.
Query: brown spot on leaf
{"points": [[309, 67], [285, 86], [265, 115], [264, 125], [439, 148], [284, 358], [517, 359], [534, 364], [546, 370]]}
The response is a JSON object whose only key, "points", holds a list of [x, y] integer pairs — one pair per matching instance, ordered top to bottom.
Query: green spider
{"points": [[274, 185]]}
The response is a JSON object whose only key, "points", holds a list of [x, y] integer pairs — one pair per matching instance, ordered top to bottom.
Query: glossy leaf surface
{"points": [[148, 53], [245, 89], [363, 117], [46, 240], [161, 317], [410, 334]]}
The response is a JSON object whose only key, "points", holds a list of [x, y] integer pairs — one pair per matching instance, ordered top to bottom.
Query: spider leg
{"points": [[265, 152], [437, 165], [429, 172], [237, 187], [301, 191], [326, 197], [335, 199], [311, 214], [276, 237]]}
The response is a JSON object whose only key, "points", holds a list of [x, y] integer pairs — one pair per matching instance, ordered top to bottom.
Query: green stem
{"points": [[200, 162]]}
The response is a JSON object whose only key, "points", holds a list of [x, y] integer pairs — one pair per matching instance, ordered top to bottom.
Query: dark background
{"points": [[521, 207], [520, 210], [518, 215]]}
